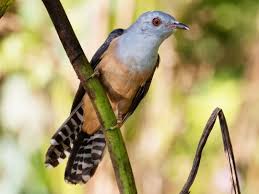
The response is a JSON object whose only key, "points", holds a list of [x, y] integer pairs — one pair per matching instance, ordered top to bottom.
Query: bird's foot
{"points": [[96, 73], [118, 124], [113, 127]]}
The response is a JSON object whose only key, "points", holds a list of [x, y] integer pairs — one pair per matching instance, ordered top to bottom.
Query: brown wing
{"points": [[94, 62], [141, 93]]}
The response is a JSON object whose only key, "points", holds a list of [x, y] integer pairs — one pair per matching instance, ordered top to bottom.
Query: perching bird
{"points": [[125, 65]]}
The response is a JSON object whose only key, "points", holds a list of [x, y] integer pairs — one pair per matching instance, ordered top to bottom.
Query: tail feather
{"points": [[62, 141], [85, 150], [86, 155]]}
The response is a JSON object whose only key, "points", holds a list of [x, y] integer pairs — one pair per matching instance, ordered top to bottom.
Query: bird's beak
{"points": [[180, 25]]}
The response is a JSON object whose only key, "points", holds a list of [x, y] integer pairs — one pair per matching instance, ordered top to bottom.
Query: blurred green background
{"points": [[216, 63]]}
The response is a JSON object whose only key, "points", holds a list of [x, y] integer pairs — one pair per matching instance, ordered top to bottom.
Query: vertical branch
{"points": [[83, 69]]}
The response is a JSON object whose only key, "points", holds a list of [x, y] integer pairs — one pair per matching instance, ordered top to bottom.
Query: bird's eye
{"points": [[156, 21]]}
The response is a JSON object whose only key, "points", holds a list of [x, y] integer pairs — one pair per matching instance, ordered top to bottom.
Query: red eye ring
{"points": [[156, 21]]}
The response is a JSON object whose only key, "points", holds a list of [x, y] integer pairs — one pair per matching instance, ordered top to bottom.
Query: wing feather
{"points": [[94, 62], [141, 93]]}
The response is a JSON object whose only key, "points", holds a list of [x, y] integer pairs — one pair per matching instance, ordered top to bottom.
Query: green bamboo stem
{"points": [[116, 146]]}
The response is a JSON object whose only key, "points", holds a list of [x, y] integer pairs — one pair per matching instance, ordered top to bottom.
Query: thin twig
{"points": [[116, 146], [227, 147], [229, 151]]}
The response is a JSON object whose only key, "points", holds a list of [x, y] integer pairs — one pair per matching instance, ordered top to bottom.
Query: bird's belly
{"points": [[121, 80], [121, 83], [121, 86], [120, 92]]}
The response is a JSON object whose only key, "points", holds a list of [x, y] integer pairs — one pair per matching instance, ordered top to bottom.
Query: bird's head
{"points": [[158, 24]]}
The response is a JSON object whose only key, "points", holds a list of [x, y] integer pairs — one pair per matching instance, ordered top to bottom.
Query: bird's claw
{"points": [[96, 73], [117, 125], [113, 127]]}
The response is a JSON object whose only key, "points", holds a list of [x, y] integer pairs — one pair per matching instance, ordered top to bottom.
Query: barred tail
{"points": [[62, 140], [85, 150], [85, 157]]}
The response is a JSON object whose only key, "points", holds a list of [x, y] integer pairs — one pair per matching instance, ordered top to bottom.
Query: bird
{"points": [[125, 64]]}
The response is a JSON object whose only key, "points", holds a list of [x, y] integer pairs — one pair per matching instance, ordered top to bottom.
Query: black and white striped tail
{"points": [[62, 141], [85, 150], [86, 154]]}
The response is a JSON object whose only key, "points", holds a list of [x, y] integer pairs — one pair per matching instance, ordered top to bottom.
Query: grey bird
{"points": [[125, 64]]}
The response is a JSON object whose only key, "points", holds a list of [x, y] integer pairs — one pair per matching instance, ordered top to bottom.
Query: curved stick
{"points": [[227, 148]]}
